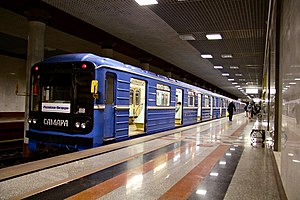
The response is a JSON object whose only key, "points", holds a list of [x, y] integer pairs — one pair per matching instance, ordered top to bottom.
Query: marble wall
{"points": [[12, 72], [290, 112]]}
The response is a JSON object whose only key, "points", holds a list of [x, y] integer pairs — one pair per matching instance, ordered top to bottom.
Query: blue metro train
{"points": [[79, 101]]}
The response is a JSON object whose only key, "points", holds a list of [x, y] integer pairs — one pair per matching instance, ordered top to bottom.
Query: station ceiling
{"points": [[157, 34]]}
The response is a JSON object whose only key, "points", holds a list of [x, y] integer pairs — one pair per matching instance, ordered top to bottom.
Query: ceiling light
{"points": [[146, 2], [213, 36], [187, 37], [206, 55], [226, 55], [218, 67], [233, 67], [225, 74], [238, 74], [231, 79], [242, 79], [297, 79], [234, 83], [292, 83], [238, 86], [251, 91], [272, 91]]}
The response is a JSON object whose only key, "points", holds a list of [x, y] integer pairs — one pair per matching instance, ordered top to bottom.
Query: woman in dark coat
{"points": [[230, 109]]}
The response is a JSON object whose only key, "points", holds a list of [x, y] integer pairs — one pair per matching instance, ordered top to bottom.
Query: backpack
{"points": [[249, 108]]}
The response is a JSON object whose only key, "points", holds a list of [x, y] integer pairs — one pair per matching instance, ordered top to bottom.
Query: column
{"points": [[107, 48], [35, 54]]}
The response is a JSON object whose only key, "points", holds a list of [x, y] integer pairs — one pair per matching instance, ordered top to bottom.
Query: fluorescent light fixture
{"points": [[146, 2], [213, 36], [187, 37], [206, 55], [226, 55], [218, 67], [233, 67], [225, 74], [238, 74], [231, 79], [242, 79], [297, 79], [234, 83], [292, 83], [237, 86], [288, 86], [240, 88], [251, 91], [272, 91], [228, 154], [296, 161]]}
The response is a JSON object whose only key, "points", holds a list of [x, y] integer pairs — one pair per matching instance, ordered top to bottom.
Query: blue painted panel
{"points": [[205, 114], [189, 116], [109, 119], [160, 120], [121, 126]]}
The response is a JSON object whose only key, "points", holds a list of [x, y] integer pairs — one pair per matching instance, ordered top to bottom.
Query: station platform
{"points": [[210, 160]]}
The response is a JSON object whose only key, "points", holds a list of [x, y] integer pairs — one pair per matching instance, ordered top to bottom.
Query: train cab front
{"points": [[61, 105]]}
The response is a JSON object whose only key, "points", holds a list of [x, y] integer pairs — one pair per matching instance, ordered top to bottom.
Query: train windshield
{"points": [[56, 92], [62, 92]]}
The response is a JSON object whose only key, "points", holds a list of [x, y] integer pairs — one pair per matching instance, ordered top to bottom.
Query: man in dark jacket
{"points": [[230, 109]]}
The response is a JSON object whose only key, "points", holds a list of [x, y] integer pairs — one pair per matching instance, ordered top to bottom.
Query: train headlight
{"points": [[29, 120], [34, 121], [77, 124], [83, 125]]}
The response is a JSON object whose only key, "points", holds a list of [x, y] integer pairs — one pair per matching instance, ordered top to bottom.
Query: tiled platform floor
{"points": [[211, 160]]}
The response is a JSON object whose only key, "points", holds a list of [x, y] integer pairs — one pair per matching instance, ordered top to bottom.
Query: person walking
{"points": [[230, 109], [250, 110], [246, 111]]}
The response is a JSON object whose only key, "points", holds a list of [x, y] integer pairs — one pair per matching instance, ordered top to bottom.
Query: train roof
{"points": [[102, 61]]}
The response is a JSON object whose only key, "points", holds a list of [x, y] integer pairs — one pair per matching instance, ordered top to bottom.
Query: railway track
{"points": [[11, 143]]}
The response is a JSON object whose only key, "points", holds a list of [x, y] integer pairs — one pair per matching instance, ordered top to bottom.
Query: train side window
{"points": [[110, 88], [162, 95], [191, 99], [206, 101], [215, 102]]}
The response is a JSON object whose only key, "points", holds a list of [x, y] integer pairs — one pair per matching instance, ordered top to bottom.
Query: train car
{"points": [[79, 101]]}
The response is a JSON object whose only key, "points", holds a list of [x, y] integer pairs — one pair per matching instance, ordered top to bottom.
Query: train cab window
{"points": [[57, 88], [35, 91], [56, 92], [162, 95], [83, 97], [191, 99], [206, 101]]}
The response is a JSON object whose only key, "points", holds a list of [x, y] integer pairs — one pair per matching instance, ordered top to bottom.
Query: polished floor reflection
{"points": [[196, 162]]}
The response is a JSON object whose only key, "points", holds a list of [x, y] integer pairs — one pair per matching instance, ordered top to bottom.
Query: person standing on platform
{"points": [[230, 109], [246, 111]]}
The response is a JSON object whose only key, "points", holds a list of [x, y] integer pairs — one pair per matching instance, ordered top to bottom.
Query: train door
{"points": [[211, 106], [137, 107], [179, 107], [199, 107], [220, 107], [109, 110]]}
